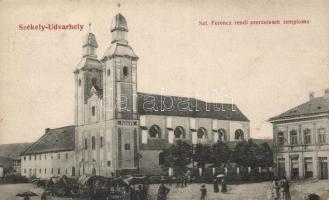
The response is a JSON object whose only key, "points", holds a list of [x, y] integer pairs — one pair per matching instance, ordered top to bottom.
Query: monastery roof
{"points": [[153, 104], [318, 105], [54, 140]]}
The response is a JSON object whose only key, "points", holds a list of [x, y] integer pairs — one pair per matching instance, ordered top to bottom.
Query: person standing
{"points": [[224, 186], [216, 188], [286, 189], [275, 190], [203, 191], [163, 192]]}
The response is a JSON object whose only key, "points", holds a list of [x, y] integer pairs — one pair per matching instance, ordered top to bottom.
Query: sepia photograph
{"points": [[164, 100]]}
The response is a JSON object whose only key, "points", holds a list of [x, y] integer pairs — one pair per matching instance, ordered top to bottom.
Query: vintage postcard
{"points": [[164, 100]]}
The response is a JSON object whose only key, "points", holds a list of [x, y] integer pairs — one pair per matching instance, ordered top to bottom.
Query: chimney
{"points": [[326, 92], [311, 95], [47, 130]]}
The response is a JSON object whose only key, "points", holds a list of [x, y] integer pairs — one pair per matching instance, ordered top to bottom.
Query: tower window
{"points": [[125, 71], [108, 72], [93, 81], [79, 82], [93, 111], [93, 142], [101, 142], [86, 144], [127, 147]]}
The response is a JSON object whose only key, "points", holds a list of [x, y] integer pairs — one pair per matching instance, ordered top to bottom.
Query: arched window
{"points": [[125, 71], [108, 72], [79, 82], [155, 131], [179, 132], [202, 133], [222, 135], [239, 135], [93, 142], [162, 158], [73, 171]]}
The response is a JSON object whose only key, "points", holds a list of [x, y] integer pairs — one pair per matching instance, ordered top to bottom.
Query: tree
{"points": [[220, 153], [240, 154], [249, 154], [202, 155], [266, 155], [177, 156]]}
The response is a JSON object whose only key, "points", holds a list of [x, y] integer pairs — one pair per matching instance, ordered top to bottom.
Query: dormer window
{"points": [[125, 71]]}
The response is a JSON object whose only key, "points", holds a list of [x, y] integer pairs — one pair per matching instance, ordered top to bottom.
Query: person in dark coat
{"points": [[224, 186], [216, 188], [203, 191], [163, 192]]}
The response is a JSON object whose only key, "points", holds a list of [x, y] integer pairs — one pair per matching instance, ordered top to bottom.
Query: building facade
{"points": [[119, 130], [301, 140], [52, 155]]}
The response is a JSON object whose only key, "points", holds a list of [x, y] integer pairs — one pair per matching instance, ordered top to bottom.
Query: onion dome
{"points": [[119, 23]]}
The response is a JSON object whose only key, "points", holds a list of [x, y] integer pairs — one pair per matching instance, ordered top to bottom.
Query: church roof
{"points": [[119, 22], [119, 49], [153, 104], [318, 105], [54, 140]]}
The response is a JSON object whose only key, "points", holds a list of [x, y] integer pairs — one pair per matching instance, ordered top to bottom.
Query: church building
{"points": [[119, 130]]}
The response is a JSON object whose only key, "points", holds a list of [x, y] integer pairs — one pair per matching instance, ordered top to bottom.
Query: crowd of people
{"points": [[183, 180], [280, 189]]}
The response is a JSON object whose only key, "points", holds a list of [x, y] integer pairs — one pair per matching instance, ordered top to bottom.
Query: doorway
{"points": [[323, 168]]}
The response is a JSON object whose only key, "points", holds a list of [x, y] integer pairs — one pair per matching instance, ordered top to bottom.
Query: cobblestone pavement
{"points": [[252, 191]]}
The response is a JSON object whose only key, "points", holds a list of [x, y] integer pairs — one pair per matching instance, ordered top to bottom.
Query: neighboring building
{"points": [[118, 130], [301, 140], [52, 155], [17, 165]]}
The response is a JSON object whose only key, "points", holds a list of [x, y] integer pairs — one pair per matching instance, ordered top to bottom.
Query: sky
{"points": [[264, 69]]}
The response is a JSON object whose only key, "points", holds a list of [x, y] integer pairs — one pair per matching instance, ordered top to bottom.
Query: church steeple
{"points": [[119, 29], [89, 45]]}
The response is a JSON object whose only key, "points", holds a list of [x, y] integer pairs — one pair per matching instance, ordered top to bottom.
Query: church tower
{"points": [[88, 80], [120, 96]]}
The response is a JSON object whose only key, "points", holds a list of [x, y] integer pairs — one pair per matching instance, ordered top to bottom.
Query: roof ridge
{"points": [[208, 102]]}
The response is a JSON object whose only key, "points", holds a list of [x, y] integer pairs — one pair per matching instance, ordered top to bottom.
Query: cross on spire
{"points": [[119, 5]]}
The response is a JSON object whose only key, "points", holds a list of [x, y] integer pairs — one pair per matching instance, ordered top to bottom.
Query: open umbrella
{"points": [[220, 176], [28, 194]]}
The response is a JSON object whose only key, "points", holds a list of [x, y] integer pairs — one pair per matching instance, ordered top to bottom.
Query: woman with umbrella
{"points": [[224, 186]]}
